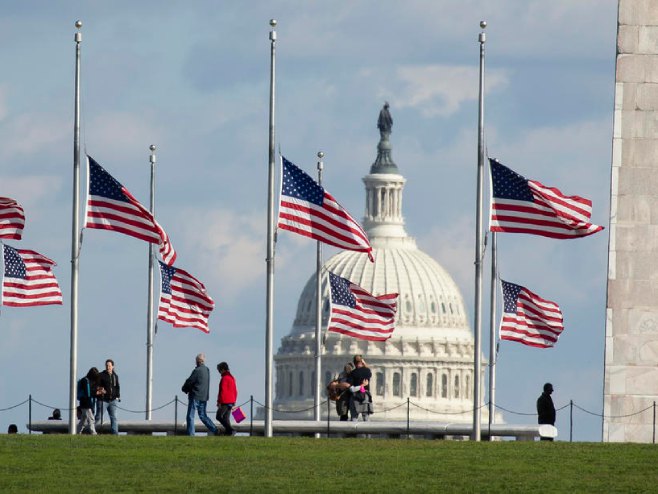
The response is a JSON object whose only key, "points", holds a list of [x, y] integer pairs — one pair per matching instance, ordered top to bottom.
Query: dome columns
{"points": [[383, 217]]}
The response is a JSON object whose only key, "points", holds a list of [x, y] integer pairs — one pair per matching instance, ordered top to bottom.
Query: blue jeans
{"points": [[111, 407], [200, 407]]}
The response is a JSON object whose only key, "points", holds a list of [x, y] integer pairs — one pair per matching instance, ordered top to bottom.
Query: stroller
{"points": [[361, 405]]}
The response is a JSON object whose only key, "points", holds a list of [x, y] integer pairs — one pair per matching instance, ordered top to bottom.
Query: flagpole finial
{"points": [[78, 24], [483, 24], [273, 32], [483, 36], [152, 147], [152, 157], [320, 165]]}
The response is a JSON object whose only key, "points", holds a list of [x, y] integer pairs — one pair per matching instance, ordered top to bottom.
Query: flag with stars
{"points": [[519, 205], [111, 207], [309, 210], [12, 219], [28, 279], [184, 301], [355, 312], [528, 318]]}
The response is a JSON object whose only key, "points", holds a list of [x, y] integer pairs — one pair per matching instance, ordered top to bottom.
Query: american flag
{"points": [[519, 205], [111, 207], [309, 210], [12, 219], [28, 279], [184, 301], [357, 313], [528, 318]]}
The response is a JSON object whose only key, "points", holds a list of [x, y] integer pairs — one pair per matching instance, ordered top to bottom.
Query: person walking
{"points": [[197, 388], [86, 392], [109, 395], [226, 398], [546, 409]]}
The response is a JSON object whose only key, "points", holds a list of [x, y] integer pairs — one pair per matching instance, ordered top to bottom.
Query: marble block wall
{"points": [[631, 338]]}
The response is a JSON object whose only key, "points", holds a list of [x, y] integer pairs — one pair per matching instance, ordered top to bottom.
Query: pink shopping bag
{"points": [[238, 415]]}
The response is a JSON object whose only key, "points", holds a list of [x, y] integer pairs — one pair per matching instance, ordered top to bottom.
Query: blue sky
{"points": [[192, 78]]}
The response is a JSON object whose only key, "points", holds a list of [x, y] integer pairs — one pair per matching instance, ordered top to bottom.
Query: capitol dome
{"points": [[427, 365]]}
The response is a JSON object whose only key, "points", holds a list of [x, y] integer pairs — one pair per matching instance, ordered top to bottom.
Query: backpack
{"points": [[83, 389]]}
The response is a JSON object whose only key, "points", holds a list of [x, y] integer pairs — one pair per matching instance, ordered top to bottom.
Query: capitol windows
{"points": [[407, 306], [325, 307], [443, 307], [290, 383], [301, 383], [313, 383], [379, 384], [430, 384], [413, 385], [444, 385], [456, 386], [468, 386], [397, 389]]}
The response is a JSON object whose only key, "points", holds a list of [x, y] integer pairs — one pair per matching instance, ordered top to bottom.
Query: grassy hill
{"points": [[81, 464]]}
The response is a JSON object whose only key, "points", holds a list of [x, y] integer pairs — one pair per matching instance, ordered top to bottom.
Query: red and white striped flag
{"points": [[519, 205], [110, 206], [309, 210], [12, 219], [28, 279], [184, 301], [357, 313], [528, 318]]}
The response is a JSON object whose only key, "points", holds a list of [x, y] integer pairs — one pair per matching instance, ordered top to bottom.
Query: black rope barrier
{"points": [[15, 406], [50, 406], [144, 411]]}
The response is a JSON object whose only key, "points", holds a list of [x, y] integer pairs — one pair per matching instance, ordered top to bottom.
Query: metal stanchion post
{"points": [[408, 414], [176, 415], [251, 415], [570, 421], [654, 422]]}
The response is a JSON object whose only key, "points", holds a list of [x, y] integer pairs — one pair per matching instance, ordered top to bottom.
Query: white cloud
{"points": [[440, 90], [112, 132], [29, 133], [30, 191], [229, 248]]}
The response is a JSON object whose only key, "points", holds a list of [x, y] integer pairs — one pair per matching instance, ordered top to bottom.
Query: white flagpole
{"points": [[75, 238], [479, 251], [149, 312], [318, 315], [269, 323], [492, 331]]}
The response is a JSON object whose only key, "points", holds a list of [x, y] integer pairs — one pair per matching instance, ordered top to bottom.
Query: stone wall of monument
{"points": [[631, 339]]}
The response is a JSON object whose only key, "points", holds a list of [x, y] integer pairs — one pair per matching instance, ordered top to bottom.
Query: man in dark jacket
{"points": [[197, 388], [109, 393], [545, 408]]}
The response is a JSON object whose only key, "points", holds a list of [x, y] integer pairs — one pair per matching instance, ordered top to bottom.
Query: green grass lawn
{"points": [[85, 464]]}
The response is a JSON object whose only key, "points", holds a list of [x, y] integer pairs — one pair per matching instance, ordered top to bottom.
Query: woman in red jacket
{"points": [[226, 398]]}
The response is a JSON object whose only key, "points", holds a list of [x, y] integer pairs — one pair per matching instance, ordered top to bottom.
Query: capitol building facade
{"points": [[427, 365]]}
